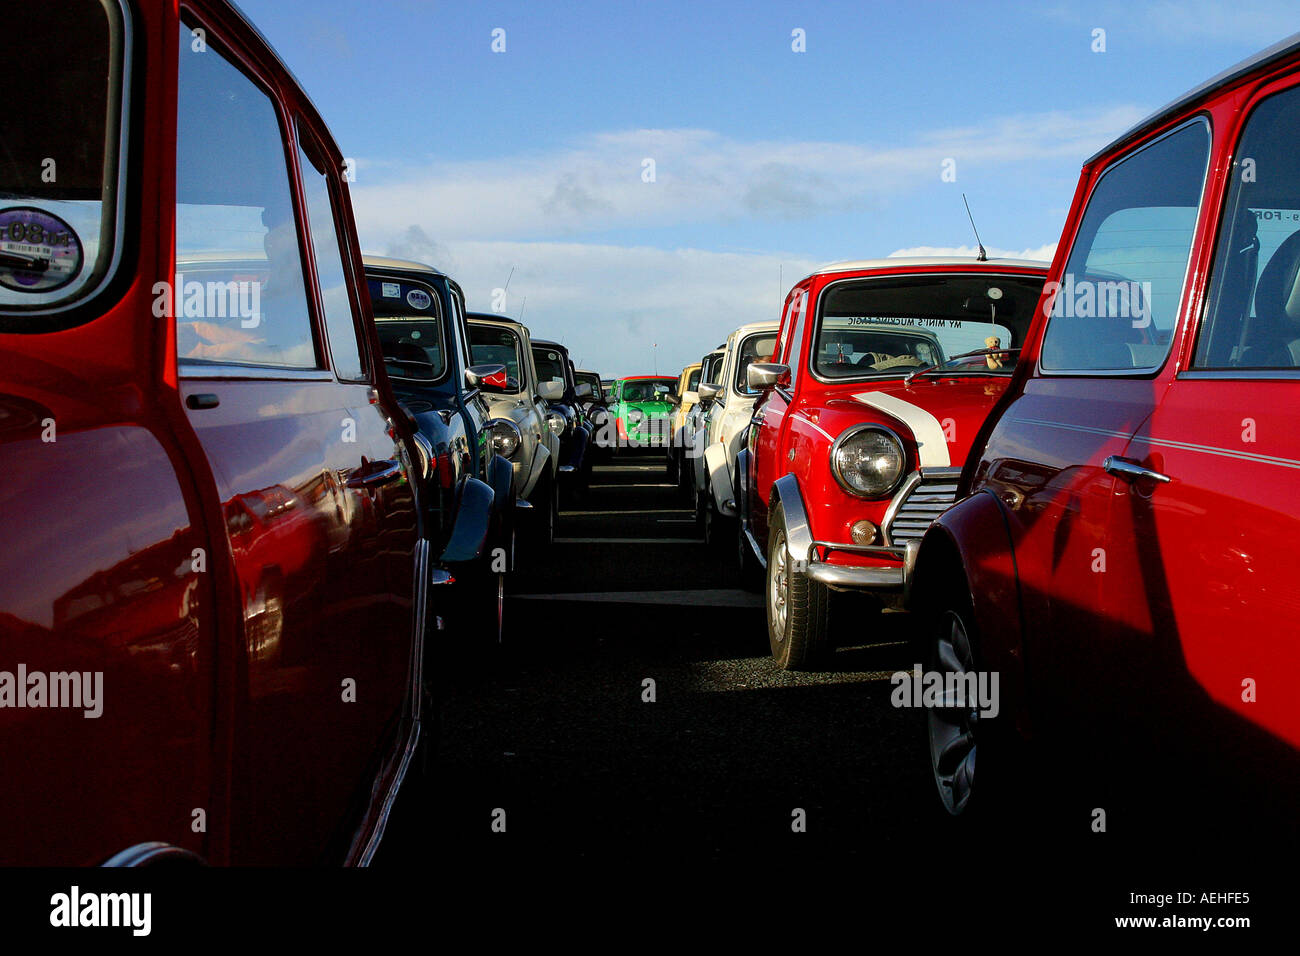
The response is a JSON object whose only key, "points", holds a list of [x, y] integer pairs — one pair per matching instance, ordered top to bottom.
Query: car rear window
{"points": [[60, 157], [886, 327], [411, 330], [495, 346], [755, 348], [550, 364], [649, 389]]}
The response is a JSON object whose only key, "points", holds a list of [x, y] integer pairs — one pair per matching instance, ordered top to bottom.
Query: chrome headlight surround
{"points": [[557, 422], [505, 437], [887, 444], [424, 452]]}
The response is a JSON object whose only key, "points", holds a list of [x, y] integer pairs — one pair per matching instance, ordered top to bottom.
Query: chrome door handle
{"points": [[1131, 471], [378, 473]]}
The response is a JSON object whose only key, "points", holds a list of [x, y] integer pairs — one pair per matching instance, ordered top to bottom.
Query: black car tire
{"points": [[797, 607]]}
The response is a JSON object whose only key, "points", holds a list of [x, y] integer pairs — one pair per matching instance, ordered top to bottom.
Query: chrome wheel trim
{"points": [[778, 586], [952, 729]]}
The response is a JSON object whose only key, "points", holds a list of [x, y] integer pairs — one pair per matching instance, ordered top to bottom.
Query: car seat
{"points": [[1275, 330]]}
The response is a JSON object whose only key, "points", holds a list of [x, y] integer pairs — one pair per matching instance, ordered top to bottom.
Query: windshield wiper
{"points": [[17, 260], [925, 369]]}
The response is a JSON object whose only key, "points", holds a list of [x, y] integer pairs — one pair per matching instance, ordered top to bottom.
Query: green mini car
{"points": [[642, 406]]}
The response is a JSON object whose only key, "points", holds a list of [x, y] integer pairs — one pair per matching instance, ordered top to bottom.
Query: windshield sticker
{"points": [[39, 252], [391, 290], [418, 299], [849, 321]]}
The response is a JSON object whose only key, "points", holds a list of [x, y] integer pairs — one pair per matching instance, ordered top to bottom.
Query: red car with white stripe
{"points": [[883, 373]]}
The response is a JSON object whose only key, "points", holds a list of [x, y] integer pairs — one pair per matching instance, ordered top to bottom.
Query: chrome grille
{"points": [[924, 497]]}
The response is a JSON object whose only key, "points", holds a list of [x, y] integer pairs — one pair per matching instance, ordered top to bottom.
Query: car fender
{"points": [[744, 462], [543, 463], [501, 476], [718, 477], [472, 523], [798, 535], [973, 539]]}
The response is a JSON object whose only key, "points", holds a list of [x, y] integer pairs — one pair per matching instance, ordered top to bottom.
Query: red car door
{"points": [[1097, 380], [772, 438], [319, 518], [1216, 542]]}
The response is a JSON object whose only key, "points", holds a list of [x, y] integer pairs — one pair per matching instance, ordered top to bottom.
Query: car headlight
{"points": [[557, 422], [505, 437], [868, 461]]}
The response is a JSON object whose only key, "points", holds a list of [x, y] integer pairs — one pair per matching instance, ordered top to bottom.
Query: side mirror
{"points": [[763, 375], [489, 378], [583, 390], [550, 391], [708, 391], [691, 398], [674, 399]]}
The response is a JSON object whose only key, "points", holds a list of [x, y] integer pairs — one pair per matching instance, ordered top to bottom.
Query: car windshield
{"points": [[59, 155], [889, 327], [410, 328], [492, 345], [755, 348], [549, 363], [693, 380], [593, 381], [648, 390]]}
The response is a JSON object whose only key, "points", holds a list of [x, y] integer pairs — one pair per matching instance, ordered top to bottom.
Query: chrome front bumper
{"points": [[805, 551], [893, 578]]}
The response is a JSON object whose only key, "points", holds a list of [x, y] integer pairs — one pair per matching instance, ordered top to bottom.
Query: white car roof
{"points": [[894, 262]]}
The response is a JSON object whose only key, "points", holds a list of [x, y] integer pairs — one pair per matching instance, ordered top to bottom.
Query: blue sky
{"points": [[767, 161]]}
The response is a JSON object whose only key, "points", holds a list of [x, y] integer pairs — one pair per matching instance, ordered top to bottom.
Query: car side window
{"points": [[331, 268], [239, 295], [1118, 300], [1252, 320], [460, 326], [796, 339]]}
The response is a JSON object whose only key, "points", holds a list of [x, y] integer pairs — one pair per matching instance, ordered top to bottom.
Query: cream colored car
{"points": [[730, 403], [523, 428]]}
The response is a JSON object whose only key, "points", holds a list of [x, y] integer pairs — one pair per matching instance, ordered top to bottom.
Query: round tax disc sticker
{"points": [[39, 252], [418, 299]]}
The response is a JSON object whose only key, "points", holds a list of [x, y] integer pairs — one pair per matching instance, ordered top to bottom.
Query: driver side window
{"points": [[1117, 303], [1253, 319]]}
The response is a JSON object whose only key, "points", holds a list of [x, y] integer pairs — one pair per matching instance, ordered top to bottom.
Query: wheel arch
{"points": [[971, 543]]}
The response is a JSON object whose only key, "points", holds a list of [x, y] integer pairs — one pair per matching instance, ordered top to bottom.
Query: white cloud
{"points": [[700, 177], [1043, 253], [610, 304]]}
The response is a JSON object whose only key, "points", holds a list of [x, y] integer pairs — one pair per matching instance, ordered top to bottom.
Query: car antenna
{"points": [[983, 256], [521, 308]]}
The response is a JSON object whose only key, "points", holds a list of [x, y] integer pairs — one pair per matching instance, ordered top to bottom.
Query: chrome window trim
{"points": [[118, 147], [443, 323], [1152, 370], [234, 371], [1281, 373]]}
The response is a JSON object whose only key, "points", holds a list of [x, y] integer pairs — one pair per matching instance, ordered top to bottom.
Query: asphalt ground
{"points": [[549, 734]]}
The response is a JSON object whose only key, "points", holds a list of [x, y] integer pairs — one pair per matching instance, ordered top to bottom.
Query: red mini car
{"points": [[883, 374], [1124, 555], [212, 574]]}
